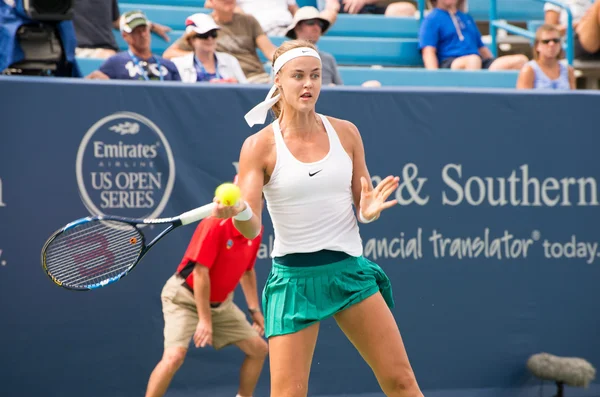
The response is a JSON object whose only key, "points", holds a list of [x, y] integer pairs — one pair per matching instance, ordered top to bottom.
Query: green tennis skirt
{"points": [[299, 293]]}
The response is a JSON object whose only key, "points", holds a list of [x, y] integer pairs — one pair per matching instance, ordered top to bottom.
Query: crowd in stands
{"points": [[223, 46]]}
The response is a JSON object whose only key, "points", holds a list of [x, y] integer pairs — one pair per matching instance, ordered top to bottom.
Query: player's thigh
{"points": [[371, 328], [290, 358]]}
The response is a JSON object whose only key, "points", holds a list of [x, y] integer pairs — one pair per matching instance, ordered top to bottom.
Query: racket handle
{"points": [[196, 214]]}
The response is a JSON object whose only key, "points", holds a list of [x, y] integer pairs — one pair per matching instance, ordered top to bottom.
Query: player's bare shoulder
{"points": [[344, 127], [347, 132], [261, 143], [259, 150]]}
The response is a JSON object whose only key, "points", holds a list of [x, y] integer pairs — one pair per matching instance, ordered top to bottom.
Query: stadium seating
{"points": [[183, 3], [200, 3], [302, 3], [511, 10], [345, 26], [374, 26], [358, 42], [346, 50], [369, 51], [353, 75], [396, 76], [429, 78]]}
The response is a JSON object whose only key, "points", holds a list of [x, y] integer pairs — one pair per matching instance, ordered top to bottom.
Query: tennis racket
{"points": [[94, 252]]}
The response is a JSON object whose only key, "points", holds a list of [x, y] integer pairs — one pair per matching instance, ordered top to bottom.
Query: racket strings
{"points": [[93, 252], [74, 275]]}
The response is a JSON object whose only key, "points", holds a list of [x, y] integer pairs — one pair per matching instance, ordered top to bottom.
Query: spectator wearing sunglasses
{"points": [[240, 35], [450, 39], [138, 62], [205, 64], [546, 71]]}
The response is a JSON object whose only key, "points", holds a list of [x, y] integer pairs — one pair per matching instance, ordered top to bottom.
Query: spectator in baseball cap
{"points": [[138, 62], [205, 63]]}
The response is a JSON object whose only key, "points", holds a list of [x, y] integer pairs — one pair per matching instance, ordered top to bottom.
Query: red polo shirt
{"points": [[219, 246]]}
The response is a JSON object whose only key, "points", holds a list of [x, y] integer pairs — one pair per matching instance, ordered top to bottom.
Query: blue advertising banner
{"points": [[493, 251]]}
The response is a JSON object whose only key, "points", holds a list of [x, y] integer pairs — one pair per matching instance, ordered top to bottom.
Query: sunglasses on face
{"points": [[313, 22], [212, 33], [555, 41]]}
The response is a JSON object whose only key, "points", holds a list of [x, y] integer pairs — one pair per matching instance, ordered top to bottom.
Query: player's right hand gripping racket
{"points": [[97, 251]]}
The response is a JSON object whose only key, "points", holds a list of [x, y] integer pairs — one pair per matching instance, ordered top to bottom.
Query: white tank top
{"points": [[311, 204]]}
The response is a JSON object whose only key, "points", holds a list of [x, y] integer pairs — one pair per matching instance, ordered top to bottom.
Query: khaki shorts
{"points": [[181, 318]]}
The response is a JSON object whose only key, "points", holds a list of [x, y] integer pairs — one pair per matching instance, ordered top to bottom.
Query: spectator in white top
{"points": [[274, 16], [586, 23], [240, 35], [205, 64]]}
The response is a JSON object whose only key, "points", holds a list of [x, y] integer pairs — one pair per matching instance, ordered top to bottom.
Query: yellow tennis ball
{"points": [[228, 194]]}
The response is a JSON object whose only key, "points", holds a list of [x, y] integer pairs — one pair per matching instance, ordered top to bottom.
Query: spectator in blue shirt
{"points": [[449, 38], [138, 62]]}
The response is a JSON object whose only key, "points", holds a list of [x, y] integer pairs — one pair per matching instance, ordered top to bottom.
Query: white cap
{"points": [[200, 23]]}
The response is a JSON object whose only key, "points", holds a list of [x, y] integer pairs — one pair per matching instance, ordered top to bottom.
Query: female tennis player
{"points": [[311, 169]]}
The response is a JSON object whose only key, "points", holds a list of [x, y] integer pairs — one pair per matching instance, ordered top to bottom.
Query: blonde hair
{"points": [[538, 34], [187, 36], [286, 46]]}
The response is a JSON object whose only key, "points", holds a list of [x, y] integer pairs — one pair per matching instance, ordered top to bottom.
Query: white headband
{"points": [[258, 114]]}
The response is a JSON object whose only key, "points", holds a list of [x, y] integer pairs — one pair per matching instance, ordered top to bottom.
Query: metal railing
{"points": [[421, 4], [495, 24]]}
